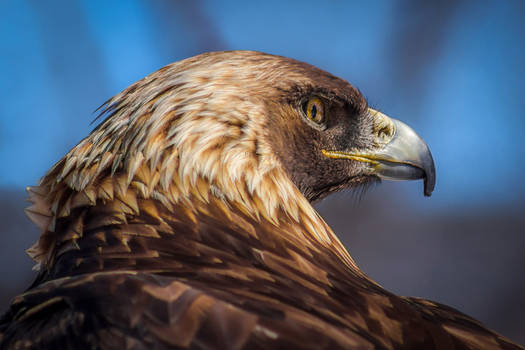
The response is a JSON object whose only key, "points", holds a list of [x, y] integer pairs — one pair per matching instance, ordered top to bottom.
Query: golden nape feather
{"points": [[184, 220]]}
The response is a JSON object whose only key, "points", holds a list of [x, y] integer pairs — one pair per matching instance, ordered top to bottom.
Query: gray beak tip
{"points": [[430, 178], [428, 186]]}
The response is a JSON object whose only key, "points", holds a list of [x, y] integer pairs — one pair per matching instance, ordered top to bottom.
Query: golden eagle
{"points": [[183, 221]]}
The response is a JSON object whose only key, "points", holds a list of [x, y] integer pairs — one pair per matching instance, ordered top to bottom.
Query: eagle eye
{"points": [[314, 110]]}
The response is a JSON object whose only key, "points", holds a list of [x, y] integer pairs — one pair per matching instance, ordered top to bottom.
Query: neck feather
{"points": [[117, 223]]}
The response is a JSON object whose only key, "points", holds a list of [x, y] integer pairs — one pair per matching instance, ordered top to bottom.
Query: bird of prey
{"points": [[184, 220]]}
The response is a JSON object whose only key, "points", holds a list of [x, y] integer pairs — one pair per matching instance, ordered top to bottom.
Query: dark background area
{"points": [[453, 70]]}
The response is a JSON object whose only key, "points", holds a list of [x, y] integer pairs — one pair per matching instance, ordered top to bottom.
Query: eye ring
{"points": [[314, 110]]}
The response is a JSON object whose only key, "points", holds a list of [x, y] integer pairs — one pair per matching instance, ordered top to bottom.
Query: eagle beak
{"points": [[401, 153]]}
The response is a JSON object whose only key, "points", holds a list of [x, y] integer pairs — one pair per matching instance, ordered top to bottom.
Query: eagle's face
{"points": [[329, 141]]}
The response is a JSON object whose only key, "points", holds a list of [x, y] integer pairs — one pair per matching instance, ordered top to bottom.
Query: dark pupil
{"points": [[313, 112]]}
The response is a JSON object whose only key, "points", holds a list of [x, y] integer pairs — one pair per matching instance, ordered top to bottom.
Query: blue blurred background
{"points": [[454, 70]]}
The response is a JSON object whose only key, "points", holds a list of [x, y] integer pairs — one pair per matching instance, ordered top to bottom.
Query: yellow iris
{"points": [[314, 110]]}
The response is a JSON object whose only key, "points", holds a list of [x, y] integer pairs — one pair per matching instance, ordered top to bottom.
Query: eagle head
{"points": [[248, 132]]}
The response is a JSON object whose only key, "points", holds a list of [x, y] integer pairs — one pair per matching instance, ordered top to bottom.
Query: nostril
{"points": [[384, 128], [385, 133]]}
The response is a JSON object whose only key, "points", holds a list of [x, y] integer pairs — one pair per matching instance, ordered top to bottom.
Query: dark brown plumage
{"points": [[184, 220]]}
